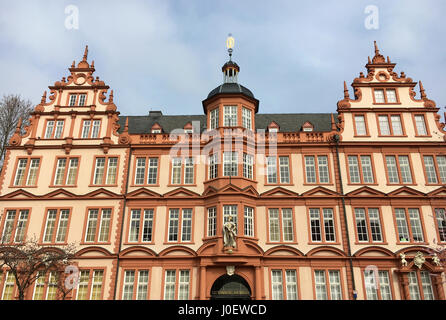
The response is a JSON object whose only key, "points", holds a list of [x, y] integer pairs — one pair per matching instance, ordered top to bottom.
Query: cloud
{"points": [[293, 55]]}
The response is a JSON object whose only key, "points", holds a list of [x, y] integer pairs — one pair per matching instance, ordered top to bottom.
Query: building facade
{"points": [[342, 205]]}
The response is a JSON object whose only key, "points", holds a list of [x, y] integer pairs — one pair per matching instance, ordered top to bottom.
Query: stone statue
{"points": [[229, 232], [403, 260], [418, 260], [436, 260]]}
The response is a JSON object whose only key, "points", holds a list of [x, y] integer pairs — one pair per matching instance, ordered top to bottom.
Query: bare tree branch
{"points": [[12, 107]]}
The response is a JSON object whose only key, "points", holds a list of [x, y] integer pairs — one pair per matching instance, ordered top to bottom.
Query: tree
{"points": [[12, 108], [28, 260]]}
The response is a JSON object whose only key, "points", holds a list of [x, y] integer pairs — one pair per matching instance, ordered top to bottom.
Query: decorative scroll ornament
{"points": [[403, 260], [418, 260], [230, 270]]}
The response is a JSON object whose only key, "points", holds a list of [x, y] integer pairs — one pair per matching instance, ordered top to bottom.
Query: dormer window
{"points": [[385, 96], [77, 100], [230, 116], [273, 127], [307, 127], [156, 128], [188, 128], [273, 130], [188, 131]]}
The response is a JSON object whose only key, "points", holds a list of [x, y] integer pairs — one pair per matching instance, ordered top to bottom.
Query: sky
{"points": [[167, 55]]}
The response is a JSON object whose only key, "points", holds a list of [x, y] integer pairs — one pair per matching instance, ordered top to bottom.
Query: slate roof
{"points": [[230, 88], [288, 122]]}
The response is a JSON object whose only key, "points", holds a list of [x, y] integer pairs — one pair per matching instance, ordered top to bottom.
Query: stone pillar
{"points": [[202, 282], [258, 283]]}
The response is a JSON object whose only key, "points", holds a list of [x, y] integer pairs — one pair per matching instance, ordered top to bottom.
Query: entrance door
{"points": [[230, 287]]}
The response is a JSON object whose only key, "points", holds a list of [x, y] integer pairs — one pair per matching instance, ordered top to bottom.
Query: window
{"points": [[379, 96], [385, 96], [73, 98], [82, 98], [77, 100], [214, 114], [230, 116], [246, 118], [420, 125], [360, 126], [54, 129], [90, 129], [394, 129], [156, 130], [230, 164], [213, 166], [282, 167], [435, 168], [316, 169], [398, 169], [151, 170], [360, 170], [66, 171], [105, 171], [182, 171], [248, 171], [26, 172], [230, 211], [440, 217], [212, 222], [249, 222], [408, 223], [15, 225], [98, 225], [141, 225], [281, 225], [322, 225], [368, 225], [56, 226], [180, 226], [138, 280], [327, 284], [377, 285], [9, 287], [45, 287], [90, 288], [176, 288], [279, 291], [425, 292]]}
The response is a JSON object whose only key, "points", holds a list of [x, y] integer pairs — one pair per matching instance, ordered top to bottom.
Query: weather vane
{"points": [[230, 44]]}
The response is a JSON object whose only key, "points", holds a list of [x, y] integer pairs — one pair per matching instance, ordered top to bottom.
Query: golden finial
{"points": [[230, 41]]}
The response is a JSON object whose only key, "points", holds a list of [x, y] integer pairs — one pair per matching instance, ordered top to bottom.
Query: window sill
{"points": [[386, 103], [362, 136], [392, 136], [420, 136], [279, 184], [318, 184], [362, 184], [402, 184], [102, 185], [144, 185], [181, 185], [62, 186], [22, 187], [176, 242], [281, 242], [324, 242], [52, 243], [83, 243], [138, 243], [371, 243], [411, 243]]}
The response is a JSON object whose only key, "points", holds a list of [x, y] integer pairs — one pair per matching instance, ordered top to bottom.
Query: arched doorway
{"points": [[230, 287]]}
